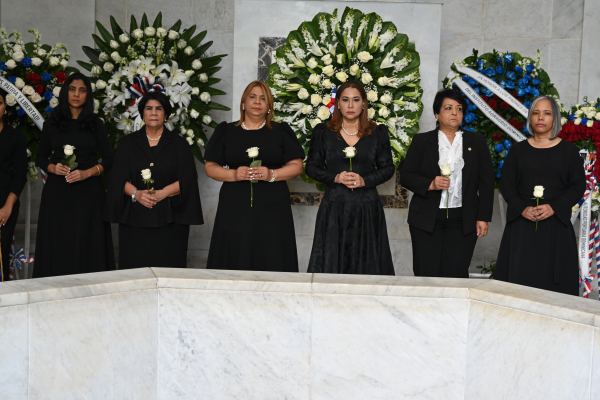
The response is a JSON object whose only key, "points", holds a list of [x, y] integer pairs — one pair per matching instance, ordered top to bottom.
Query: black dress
{"points": [[13, 176], [350, 233], [157, 236], [72, 237], [261, 237], [546, 259]]}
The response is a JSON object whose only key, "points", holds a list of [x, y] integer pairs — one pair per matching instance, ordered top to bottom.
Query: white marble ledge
{"points": [[370, 1], [204, 279], [86, 285], [402, 286], [10, 296], [537, 301]]}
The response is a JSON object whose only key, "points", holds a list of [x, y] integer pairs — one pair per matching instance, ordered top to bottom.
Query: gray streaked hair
{"points": [[556, 124]]}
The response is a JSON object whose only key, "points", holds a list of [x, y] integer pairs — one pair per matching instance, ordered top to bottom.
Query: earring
{"points": [[243, 108], [268, 112]]}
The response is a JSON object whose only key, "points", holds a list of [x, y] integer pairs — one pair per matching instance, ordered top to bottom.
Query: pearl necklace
{"points": [[260, 127], [349, 134], [149, 138]]}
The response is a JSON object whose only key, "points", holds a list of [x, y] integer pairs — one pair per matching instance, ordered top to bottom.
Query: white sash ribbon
{"points": [[23, 101]]}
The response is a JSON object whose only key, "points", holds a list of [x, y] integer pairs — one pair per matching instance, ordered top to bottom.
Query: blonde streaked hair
{"points": [[268, 97]]}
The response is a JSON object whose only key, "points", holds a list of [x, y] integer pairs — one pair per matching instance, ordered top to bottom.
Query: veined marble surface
{"points": [[197, 334]]}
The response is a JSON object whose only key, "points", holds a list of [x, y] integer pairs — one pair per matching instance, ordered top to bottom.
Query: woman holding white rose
{"points": [[351, 155], [153, 191], [254, 228], [72, 237], [538, 247]]}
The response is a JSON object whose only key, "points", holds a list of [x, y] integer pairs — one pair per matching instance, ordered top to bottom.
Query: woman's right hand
{"points": [[60, 169], [242, 174], [440, 183], [146, 199], [528, 214]]}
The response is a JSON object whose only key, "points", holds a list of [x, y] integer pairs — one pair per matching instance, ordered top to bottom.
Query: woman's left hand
{"points": [[260, 173], [77, 176], [352, 180], [159, 195], [542, 212], [5, 213], [482, 229]]}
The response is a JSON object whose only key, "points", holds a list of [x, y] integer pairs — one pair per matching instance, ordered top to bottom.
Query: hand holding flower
{"points": [[253, 153], [59, 169], [447, 172], [349, 178], [147, 179], [538, 193], [145, 199], [543, 212]]}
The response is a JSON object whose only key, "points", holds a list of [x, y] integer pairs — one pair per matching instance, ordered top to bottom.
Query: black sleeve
{"points": [[104, 146], [45, 148], [215, 149], [292, 149], [383, 159], [316, 162], [19, 163], [120, 174], [411, 177], [486, 182], [509, 186], [563, 205], [188, 210]]}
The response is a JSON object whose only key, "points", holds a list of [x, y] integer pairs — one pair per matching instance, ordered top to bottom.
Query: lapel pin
{"points": [[469, 149]]}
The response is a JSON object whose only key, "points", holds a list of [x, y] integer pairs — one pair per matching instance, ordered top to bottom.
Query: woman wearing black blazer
{"points": [[449, 210]]}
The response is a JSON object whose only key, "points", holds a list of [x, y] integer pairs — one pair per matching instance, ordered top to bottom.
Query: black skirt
{"points": [[164, 247]]}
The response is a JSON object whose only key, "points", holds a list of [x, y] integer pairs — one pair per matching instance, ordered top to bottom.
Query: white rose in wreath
{"points": [[150, 31], [161, 32], [138, 34], [173, 35], [124, 38], [114, 44], [181, 44], [17, 48], [188, 51], [41, 52], [18, 56], [115, 56], [364, 56], [102, 57], [340, 58], [326, 59], [36, 61], [64, 63], [312, 63], [11, 64], [196, 64], [108, 67], [328, 70], [354, 70], [189, 73], [342, 76], [203, 78], [366, 78], [313, 79], [383, 81], [20, 83], [100, 84], [327, 84], [28, 90], [56, 90], [195, 91], [303, 94], [372, 95], [205, 97], [315, 99], [326, 99], [386, 99], [10, 100], [54, 102], [307, 109], [384, 112], [323, 113], [371, 113], [194, 114], [597, 117], [207, 119], [577, 121], [314, 122], [590, 123], [190, 133], [190, 140], [200, 142], [69, 150], [146, 173]]}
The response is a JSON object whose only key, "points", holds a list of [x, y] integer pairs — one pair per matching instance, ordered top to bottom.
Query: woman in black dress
{"points": [[13, 176], [154, 217], [350, 233], [258, 236], [72, 238], [545, 258]]}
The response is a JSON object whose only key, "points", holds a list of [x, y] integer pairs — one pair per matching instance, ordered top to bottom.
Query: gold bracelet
{"points": [[98, 168]]}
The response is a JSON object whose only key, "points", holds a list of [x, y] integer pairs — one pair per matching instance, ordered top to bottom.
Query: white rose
{"points": [[150, 31], [161, 32], [138, 34], [173, 35], [124, 38], [114, 44], [181, 44], [17, 48], [188, 51], [41, 52], [18, 56], [115, 56], [364, 56], [102, 57], [340, 58], [326, 59], [36, 61], [64, 63], [312, 63], [11, 64], [196, 64], [108, 67], [96, 70], [328, 70], [354, 70], [189, 73], [342, 76], [203, 78], [366, 78], [313, 79], [383, 81], [19, 83], [100, 84], [327, 84], [93, 87], [28, 90], [56, 90], [195, 91], [303, 94], [372, 95], [205, 97], [315, 99], [326, 99], [386, 99], [10, 100], [54, 102], [96, 106], [307, 109], [384, 112], [323, 113], [371, 113], [578, 113], [194, 114], [597, 116], [206, 119], [563, 120], [577, 121], [314, 122], [590, 123], [190, 133], [190, 140], [200, 142], [68, 149], [252, 152], [350, 152], [446, 170], [146, 174], [538, 191], [596, 195], [595, 208]]}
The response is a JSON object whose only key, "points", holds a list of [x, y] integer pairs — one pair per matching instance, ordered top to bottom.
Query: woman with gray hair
{"points": [[539, 248]]}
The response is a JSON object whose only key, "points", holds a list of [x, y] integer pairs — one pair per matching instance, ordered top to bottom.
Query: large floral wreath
{"points": [[328, 51], [128, 65], [37, 70], [522, 77]]}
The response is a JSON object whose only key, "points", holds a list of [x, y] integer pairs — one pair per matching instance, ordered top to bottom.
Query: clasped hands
{"points": [[253, 174], [70, 176], [351, 180], [149, 200], [538, 213]]}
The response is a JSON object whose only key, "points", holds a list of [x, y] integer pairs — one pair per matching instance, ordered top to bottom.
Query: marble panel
{"points": [[115, 8], [188, 11], [456, 12], [534, 19], [567, 19], [454, 47], [564, 69], [589, 76], [430, 79], [304, 220], [397, 227], [304, 247], [486, 249], [402, 257], [188, 278], [86, 285], [12, 296], [234, 345], [101, 347], [378, 347], [14, 352], [518, 355], [596, 363]]}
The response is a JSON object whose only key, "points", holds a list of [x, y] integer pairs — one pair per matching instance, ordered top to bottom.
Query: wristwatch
{"points": [[133, 199]]}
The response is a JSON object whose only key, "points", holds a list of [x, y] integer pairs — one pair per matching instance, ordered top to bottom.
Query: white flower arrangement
{"points": [[324, 53], [152, 57]]}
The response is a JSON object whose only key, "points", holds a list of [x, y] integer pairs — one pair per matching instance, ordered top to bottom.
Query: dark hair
{"points": [[3, 94], [451, 94], [158, 96], [62, 112], [366, 126]]}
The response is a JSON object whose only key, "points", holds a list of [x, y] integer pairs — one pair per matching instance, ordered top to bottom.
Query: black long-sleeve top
{"points": [[13, 163]]}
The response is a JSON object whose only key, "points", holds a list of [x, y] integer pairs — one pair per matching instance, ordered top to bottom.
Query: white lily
{"points": [[314, 48], [387, 62], [297, 63], [145, 67], [131, 71], [177, 75], [115, 80], [181, 94], [172, 121], [124, 123]]}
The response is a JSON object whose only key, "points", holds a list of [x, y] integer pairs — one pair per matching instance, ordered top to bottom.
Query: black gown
{"points": [[13, 176], [350, 233], [157, 236], [72, 237], [261, 237], [546, 259]]}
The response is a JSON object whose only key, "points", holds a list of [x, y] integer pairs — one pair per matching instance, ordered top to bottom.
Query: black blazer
{"points": [[13, 162], [421, 167]]}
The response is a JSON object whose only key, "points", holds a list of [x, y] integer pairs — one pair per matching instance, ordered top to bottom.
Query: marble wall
{"points": [[169, 334]]}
